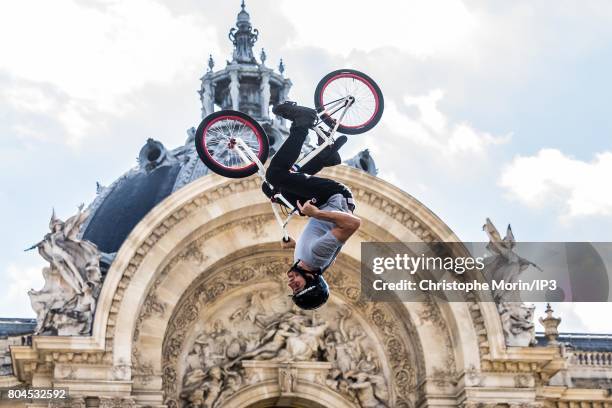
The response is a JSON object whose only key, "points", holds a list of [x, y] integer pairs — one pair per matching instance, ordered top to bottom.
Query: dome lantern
{"points": [[243, 38], [245, 84]]}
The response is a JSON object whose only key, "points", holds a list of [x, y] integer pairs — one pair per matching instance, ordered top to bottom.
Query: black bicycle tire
{"points": [[330, 121], [212, 164]]}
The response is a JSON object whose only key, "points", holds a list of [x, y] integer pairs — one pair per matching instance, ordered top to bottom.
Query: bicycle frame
{"points": [[247, 155]]}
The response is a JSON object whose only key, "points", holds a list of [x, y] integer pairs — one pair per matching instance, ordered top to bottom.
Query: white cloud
{"points": [[421, 28], [95, 55], [28, 98], [73, 116], [430, 128], [552, 177], [17, 280], [594, 315], [579, 317]]}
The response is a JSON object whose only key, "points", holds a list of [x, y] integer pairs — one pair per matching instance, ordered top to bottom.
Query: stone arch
{"points": [[132, 293], [389, 330], [314, 396]]}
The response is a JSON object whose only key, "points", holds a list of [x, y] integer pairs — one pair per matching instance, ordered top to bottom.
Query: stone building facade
{"points": [[192, 308]]}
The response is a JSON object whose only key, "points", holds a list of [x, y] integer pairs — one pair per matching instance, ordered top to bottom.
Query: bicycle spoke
{"points": [[336, 100], [364, 105], [334, 112], [220, 142], [218, 149]]}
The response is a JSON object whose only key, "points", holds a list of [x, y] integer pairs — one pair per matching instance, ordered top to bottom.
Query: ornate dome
{"points": [[243, 85], [119, 207]]}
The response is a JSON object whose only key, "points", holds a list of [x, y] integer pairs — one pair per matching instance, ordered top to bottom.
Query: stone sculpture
{"points": [[363, 161], [505, 264], [66, 303], [517, 323], [257, 330], [304, 345], [370, 390]]}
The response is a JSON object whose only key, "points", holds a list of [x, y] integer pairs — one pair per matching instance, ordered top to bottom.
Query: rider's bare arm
{"points": [[346, 224]]}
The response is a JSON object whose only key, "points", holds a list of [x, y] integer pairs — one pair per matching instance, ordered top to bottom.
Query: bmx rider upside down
{"points": [[331, 221]]}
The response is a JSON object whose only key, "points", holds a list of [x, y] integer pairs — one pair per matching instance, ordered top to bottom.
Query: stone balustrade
{"points": [[592, 358]]}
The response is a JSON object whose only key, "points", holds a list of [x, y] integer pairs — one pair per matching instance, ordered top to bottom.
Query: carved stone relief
{"points": [[430, 313], [223, 321], [264, 327]]}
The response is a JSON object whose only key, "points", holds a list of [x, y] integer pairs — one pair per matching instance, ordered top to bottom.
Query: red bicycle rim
{"points": [[361, 79], [244, 122]]}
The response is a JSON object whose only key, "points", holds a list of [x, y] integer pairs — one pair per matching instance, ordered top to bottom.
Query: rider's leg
{"points": [[303, 118], [287, 155], [327, 158], [282, 162], [313, 166], [298, 183]]}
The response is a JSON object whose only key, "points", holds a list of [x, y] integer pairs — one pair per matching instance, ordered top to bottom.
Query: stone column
{"points": [[234, 89], [284, 91], [282, 96], [207, 97], [264, 97]]}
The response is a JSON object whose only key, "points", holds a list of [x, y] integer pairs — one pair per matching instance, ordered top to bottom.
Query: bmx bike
{"points": [[233, 144]]}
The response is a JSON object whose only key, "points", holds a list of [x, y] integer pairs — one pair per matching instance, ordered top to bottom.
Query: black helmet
{"points": [[314, 294]]}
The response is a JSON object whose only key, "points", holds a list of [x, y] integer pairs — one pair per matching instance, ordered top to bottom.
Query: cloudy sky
{"points": [[493, 109]]}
